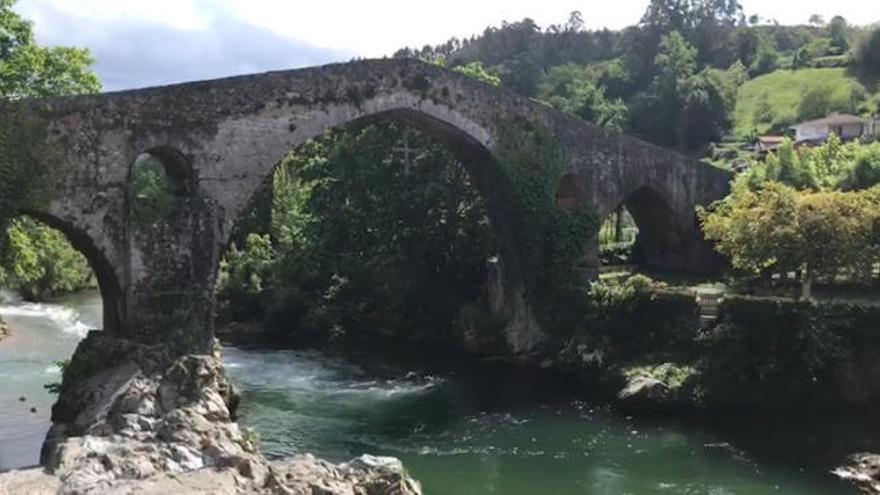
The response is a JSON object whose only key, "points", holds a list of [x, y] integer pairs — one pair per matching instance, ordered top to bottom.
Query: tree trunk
{"points": [[618, 225], [807, 284]]}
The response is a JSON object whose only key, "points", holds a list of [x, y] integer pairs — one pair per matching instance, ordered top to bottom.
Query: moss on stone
{"points": [[29, 167], [549, 242], [674, 376]]}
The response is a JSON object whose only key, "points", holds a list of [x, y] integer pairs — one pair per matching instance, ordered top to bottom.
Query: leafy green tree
{"points": [[839, 30], [28, 70], [477, 71], [571, 88], [816, 102], [708, 105], [764, 113], [787, 167], [864, 173], [152, 198], [778, 229], [365, 239], [35, 260], [40, 263], [243, 278]]}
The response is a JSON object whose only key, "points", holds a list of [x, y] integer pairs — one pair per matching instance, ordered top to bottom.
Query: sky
{"points": [[140, 43]]}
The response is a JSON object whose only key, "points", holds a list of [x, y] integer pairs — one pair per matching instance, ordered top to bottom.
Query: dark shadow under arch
{"points": [[476, 159], [177, 167], [569, 194], [658, 245], [112, 296]]}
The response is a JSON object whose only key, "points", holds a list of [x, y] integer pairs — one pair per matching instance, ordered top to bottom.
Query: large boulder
{"points": [[4, 329], [666, 387], [147, 423], [862, 470]]}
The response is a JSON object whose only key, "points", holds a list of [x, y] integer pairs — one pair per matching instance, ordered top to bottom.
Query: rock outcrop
{"points": [[659, 388], [130, 419], [862, 470]]}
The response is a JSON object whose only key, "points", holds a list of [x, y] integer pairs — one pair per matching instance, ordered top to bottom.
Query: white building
{"points": [[847, 128]]}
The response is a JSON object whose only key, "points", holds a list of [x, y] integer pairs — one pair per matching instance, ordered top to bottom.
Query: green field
{"points": [[784, 89]]}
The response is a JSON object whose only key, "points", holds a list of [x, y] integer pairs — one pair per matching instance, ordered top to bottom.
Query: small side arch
{"points": [[659, 242]]}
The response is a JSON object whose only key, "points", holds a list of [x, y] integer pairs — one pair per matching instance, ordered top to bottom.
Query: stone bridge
{"points": [[220, 140]]}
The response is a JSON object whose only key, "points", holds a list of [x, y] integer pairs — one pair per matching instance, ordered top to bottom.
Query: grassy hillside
{"points": [[783, 90]]}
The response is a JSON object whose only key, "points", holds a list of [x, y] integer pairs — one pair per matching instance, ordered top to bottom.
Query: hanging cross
{"points": [[406, 151]]}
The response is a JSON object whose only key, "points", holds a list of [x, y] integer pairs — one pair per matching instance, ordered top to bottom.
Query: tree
{"points": [[575, 22], [839, 30], [868, 52], [477, 71], [571, 88], [709, 98], [816, 102], [698, 105], [657, 111], [764, 113], [787, 167], [864, 172], [777, 229], [756, 230], [364, 238], [35, 260]]}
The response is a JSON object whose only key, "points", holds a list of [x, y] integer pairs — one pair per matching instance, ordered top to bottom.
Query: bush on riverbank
{"points": [[639, 317], [776, 352]]}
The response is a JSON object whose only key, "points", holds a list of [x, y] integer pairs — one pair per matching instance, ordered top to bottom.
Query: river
{"points": [[468, 432]]}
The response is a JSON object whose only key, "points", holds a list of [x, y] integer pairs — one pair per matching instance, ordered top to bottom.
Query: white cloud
{"points": [[180, 14], [379, 27], [200, 38]]}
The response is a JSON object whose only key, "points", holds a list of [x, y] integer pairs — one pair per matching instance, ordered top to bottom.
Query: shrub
{"points": [[640, 316], [767, 351]]}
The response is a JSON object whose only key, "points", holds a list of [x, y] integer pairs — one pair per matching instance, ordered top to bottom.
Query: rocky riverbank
{"points": [[132, 419], [862, 470]]}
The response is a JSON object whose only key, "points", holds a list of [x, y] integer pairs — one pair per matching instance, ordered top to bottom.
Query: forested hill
{"points": [[674, 77]]}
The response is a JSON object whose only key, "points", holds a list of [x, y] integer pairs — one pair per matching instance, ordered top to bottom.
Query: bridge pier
{"points": [[173, 273]]}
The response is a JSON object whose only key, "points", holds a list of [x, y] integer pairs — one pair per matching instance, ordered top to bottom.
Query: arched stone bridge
{"points": [[220, 140]]}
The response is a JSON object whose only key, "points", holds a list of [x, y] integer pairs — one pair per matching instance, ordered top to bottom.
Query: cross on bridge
{"points": [[407, 152]]}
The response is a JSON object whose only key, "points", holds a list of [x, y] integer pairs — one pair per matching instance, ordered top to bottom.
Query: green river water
{"points": [[470, 432]]}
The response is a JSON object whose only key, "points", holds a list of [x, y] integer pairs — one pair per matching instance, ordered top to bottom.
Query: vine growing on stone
{"points": [[549, 242]]}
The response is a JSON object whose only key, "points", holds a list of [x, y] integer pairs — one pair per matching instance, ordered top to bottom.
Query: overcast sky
{"points": [[147, 42]]}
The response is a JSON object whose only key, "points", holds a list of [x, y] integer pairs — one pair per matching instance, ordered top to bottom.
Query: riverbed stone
{"points": [[4, 329], [665, 387], [134, 426], [863, 471]]}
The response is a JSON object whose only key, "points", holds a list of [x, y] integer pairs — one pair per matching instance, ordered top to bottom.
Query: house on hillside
{"points": [[847, 128], [816, 132], [766, 144]]}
